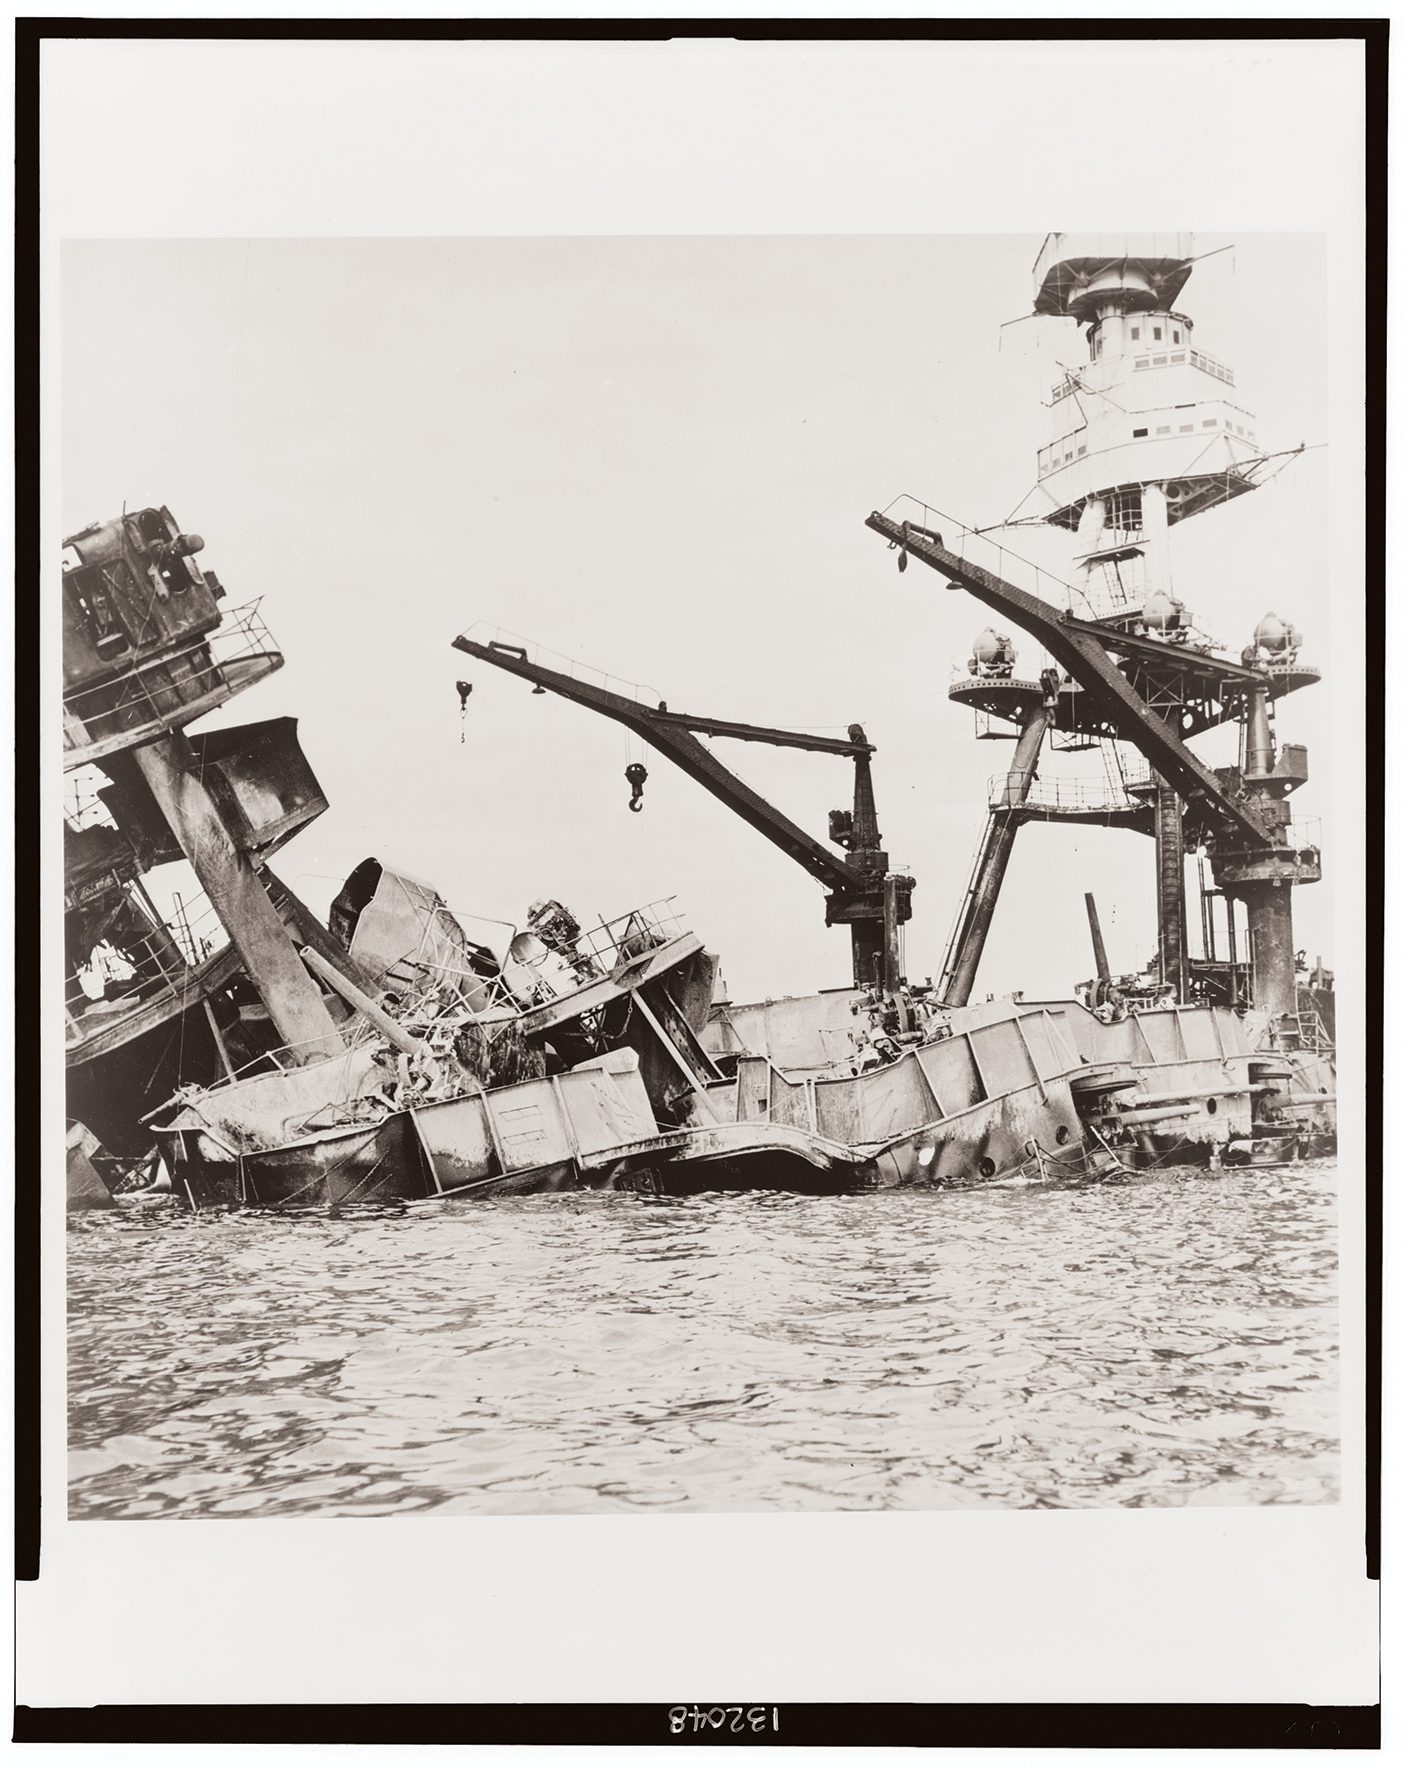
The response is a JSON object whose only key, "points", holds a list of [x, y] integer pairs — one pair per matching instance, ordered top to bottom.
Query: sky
{"points": [[655, 455]]}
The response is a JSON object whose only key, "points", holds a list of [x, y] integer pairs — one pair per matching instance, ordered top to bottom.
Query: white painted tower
{"points": [[1149, 429]]}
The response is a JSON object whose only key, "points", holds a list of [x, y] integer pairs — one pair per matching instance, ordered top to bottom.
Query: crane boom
{"points": [[666, 734], [856, 887]]}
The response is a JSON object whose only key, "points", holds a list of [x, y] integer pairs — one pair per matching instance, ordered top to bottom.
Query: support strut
{"points": [[991, 863]]}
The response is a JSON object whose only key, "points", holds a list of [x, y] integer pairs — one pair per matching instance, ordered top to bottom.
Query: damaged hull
{"points": [[1006, 1091], [596, 1128]]}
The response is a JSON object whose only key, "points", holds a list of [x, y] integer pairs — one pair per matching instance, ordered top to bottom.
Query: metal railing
{"points": [[1174, 355], [1220, 370], [1056, 456], [978, 547], [162, 688], [1056, 795], [626, 936], [162, 959], [554, 970], [354, 1032], [1311, 1033]]}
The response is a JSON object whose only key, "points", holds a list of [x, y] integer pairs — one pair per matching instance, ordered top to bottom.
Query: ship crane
{"points": [[864, 894]]}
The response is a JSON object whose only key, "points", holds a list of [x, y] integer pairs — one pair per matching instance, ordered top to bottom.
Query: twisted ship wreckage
{"points": [[227, 1046]]}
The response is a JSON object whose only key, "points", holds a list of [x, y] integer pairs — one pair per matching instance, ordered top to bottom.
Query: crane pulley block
{"points": [[636, 773]]}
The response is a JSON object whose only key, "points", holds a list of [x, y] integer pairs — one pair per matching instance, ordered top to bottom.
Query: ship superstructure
{"points": [[1149, 429], [1146, 433], [159, 993]]}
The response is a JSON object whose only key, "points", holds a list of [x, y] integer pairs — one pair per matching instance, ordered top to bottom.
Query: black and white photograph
{"points": [[705, 871], [542, 1097]]}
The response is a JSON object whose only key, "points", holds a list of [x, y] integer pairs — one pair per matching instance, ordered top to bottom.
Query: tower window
{"points": [[1135, 333], [1156, 334], [1175, 337], [1209, 423], [1140, 432]]}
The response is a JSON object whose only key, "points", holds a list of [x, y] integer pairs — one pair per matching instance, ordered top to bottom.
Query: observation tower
{"points": [[1150, 429], [1146, 432]]}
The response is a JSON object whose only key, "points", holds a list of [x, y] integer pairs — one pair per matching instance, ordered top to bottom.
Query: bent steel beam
{"points": [[1086, 659]]}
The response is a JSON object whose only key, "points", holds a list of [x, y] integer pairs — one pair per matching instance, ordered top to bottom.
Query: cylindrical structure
{"points": [[1155, 533], [1258, 755], [1024, 765], [866, 839], [1170, 886], [979, 909], [1206, 913], [1231, 913], [891, 937], [1270, 942], [868, 947], [1099, 950], [963, 958], [362, 1003]]}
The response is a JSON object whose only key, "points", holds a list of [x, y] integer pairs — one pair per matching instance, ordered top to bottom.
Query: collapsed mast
{"points": [[157, 996]]}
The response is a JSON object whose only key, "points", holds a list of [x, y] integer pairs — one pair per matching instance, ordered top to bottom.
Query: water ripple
{"points": [[1167, 1341]]}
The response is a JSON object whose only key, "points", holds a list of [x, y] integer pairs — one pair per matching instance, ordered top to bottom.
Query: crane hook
{"points": [[636, 773]]}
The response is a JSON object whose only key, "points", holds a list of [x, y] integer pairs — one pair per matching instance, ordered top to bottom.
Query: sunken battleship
{"points": [[223, 1044]]}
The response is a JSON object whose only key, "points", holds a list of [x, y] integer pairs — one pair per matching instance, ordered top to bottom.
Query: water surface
{"points": [[1166, 1340]]}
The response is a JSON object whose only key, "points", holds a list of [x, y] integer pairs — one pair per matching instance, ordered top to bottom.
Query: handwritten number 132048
{"points": [[682, 1719]]}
